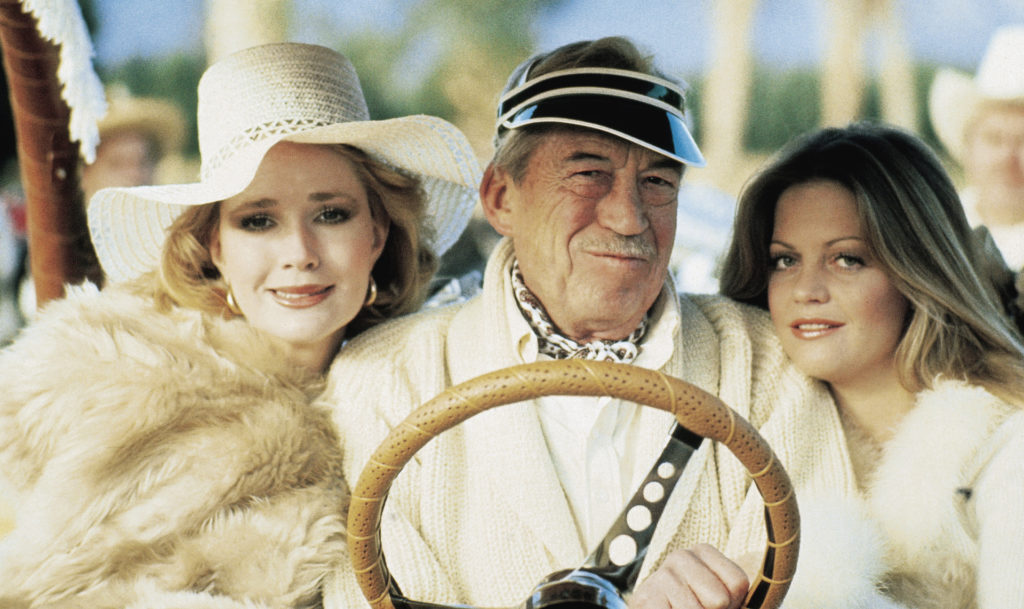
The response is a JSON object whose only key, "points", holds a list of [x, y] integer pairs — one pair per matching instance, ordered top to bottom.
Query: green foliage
{"points": [[923, 76], [783, 105]]}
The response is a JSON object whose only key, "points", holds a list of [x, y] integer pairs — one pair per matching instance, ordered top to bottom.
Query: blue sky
{"points": [[786, 32]]}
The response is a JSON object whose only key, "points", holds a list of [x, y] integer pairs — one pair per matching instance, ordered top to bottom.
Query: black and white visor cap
{"points": [[637, 107]]}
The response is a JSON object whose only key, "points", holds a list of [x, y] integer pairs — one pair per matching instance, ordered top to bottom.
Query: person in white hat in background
{"points": [[980, 121], [158, 434]]}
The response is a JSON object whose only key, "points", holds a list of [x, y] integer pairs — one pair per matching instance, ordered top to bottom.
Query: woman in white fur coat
{"points": [[856, 242], [157, 438]]}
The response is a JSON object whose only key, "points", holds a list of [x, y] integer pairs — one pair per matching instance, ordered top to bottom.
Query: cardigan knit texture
{"points": [[478, 516]]}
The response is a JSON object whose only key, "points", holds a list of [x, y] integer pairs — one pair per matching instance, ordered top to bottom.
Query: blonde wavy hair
{"points": [[187, 276]]}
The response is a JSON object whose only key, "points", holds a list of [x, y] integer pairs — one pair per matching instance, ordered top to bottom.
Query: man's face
{"points": [[592, 221]]}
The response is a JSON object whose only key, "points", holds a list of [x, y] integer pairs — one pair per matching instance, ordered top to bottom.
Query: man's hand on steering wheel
{"points": [[700, 577]]}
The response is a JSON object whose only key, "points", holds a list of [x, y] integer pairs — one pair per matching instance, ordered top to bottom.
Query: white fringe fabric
{"points": [[61, 22]]}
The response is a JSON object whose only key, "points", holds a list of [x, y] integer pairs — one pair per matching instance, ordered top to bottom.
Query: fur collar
{"points": [[918, 491], [911, 531]]}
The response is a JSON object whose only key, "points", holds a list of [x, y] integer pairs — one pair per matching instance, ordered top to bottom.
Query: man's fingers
{"points": [[729, 574], [698, 578]]}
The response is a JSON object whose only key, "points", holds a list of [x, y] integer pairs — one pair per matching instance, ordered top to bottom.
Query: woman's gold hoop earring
{"points": [[371, 295], [229, 298]]}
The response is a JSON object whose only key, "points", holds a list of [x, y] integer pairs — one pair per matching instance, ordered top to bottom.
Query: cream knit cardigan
{"points": [[479, 516]]}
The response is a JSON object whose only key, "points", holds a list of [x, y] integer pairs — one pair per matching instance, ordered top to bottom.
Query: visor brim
{"points": [[653, 128]]}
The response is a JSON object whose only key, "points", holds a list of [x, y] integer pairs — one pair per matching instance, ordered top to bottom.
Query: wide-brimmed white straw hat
{"points": [[260, 96], [955, 97]]}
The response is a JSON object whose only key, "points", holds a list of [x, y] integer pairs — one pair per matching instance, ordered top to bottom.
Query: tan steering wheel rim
{"points": [[695, 409]]}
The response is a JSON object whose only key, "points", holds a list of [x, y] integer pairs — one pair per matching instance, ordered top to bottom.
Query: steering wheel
{"points": [[694, 409]]}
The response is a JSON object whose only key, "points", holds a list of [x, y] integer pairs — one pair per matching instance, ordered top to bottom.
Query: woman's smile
{"points": [[810, 329]]}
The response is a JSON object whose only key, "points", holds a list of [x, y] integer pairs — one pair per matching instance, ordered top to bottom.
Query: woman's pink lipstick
{"points": [[301, 297], [814, 328]]}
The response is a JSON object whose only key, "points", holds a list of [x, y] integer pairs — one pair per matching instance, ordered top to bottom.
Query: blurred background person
{"points": [[980, 121], [136, 135], [141, 142]]}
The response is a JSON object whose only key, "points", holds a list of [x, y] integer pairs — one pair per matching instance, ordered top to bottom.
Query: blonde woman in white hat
{"points": [[980, 121], [158, 435]]}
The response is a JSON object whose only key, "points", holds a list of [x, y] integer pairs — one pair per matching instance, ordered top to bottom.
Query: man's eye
{"points": [[660, 181]]}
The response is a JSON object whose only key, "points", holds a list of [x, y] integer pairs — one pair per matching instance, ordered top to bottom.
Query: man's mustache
{"points": [[634, 246]]}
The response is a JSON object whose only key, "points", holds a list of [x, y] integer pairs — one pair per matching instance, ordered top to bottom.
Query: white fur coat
{"points": [[162, 460], [941, 521]]}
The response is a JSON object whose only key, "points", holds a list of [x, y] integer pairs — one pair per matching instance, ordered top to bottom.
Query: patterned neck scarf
{"points": [[557, 346]]}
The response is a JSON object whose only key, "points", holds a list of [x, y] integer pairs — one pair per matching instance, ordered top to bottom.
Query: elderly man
{"points": [[590, 153]]}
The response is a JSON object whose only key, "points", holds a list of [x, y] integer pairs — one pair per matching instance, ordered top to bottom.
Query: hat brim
{"points": [[953, 100], [128, 225]]}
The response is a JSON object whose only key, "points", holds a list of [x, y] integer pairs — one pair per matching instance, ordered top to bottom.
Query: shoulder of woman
{"points": [[82, 326], [96, 364], [949, 399], [972, 414], [1004, 458]]}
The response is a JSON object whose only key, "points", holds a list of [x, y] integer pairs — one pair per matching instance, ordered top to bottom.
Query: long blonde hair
{"points": [[916, 228]]}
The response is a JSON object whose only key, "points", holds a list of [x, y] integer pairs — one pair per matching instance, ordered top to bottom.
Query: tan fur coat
{"points": [[162, 460]]}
